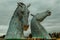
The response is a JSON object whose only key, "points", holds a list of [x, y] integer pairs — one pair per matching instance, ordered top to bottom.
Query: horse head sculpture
{"points": [[42, 15], [18, 21], [37, 30]]}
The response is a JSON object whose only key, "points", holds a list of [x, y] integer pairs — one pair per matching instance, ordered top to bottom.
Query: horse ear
{"points": [[28, 5], [32, 15]]}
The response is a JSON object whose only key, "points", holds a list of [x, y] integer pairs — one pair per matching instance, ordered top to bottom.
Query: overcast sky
{"points": [[51, 23]]}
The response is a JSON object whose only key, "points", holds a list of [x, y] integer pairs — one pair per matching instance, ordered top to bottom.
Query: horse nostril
{"points": [[49, 12], [25, 27]]}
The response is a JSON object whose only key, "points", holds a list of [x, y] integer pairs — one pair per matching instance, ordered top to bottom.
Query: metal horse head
{"points": [[24, 13], [42, 15], [18, 21], [37, 29]]}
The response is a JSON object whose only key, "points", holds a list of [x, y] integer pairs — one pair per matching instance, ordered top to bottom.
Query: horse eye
{"points": [[22, 3], [22, 12], [49, 12]]}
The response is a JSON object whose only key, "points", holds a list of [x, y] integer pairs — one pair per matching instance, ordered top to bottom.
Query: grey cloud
{"points": [[6, 10]]}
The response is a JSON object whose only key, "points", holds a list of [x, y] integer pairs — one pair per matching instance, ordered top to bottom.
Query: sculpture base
{"points": [[15, 39]]}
